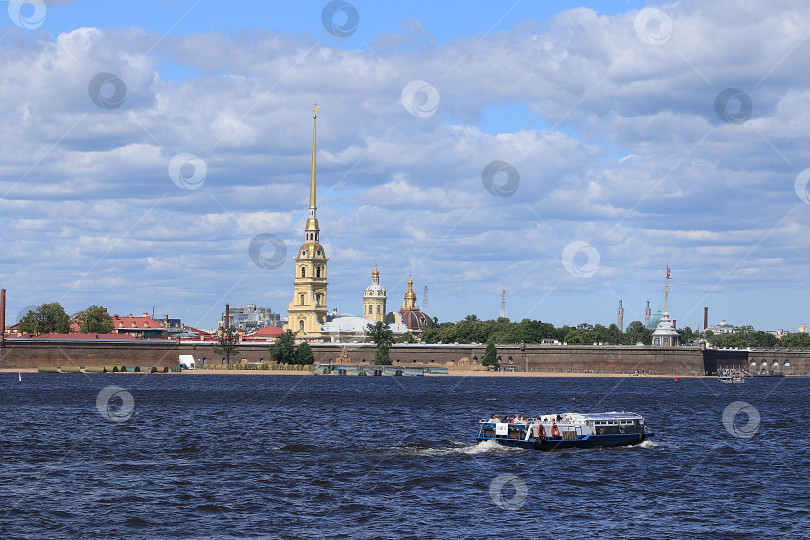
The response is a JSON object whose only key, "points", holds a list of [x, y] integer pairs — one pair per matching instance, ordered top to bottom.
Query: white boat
{"points": [[737, 378], [568, 430]]}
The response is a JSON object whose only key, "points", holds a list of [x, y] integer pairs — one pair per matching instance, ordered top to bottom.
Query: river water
{"points": [[281, 456]]}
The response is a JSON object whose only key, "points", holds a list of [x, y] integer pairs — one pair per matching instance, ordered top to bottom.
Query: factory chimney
{"points": [[3, 315], [705, 317]]}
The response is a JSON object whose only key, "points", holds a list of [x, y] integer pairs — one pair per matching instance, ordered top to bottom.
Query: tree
{"points": [[46, 319], [95, 320], [381, 334], [431, 334], [574, 336], [686, 336], [407, 337], [228, 339], [794, 341], [283, 350], [303, 354], [490, 356], [381, 357]]}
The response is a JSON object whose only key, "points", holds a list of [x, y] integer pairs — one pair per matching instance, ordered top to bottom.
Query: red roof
{"points": [[140, 323], [268, 331], [201, 332], [265, 334], [76, 336]]}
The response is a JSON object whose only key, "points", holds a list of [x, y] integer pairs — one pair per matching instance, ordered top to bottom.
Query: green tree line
{"points": [[52, 319], [474, 330], [745, 336]]}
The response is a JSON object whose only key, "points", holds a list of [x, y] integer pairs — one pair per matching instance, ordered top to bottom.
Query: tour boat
{"points": [[737, 378], [568, 430]]}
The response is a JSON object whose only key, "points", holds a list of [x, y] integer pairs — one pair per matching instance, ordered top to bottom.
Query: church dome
{"points": [[374, 290], [416, 320]]}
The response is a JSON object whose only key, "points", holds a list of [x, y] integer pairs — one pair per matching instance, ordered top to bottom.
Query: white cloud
{"points": [[631, 157]]}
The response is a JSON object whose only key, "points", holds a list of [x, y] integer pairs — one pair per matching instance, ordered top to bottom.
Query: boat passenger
{"points": [[495, 418]]}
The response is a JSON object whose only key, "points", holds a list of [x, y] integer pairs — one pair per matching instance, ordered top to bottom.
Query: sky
{"points": [[156, 156]]}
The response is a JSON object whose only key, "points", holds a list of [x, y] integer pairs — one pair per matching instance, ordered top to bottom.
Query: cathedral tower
{"points": [[374, 298], [409, 300], [308, 307]]}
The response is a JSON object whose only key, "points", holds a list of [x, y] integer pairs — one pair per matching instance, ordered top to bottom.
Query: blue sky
{"points": [[629, 155]]}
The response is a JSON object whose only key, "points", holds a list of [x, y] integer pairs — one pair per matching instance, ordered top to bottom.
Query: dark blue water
{"points": [[367, 457]]}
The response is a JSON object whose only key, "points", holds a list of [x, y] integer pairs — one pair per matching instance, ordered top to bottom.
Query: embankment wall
{"points": [[34, 353], [533, 358]]}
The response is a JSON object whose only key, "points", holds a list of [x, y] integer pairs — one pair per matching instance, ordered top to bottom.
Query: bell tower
{"points": [[374, 298], [409, 300], [307, 310]]}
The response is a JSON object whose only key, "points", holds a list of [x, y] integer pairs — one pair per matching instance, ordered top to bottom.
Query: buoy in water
{"points": [[676, 379]]}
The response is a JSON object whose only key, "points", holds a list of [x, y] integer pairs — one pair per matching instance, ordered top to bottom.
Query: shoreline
{"points": [[459, 373]]}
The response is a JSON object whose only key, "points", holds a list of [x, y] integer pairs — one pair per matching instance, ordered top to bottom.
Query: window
{"points": [[303, 271], [318, 271], [302, 297], [371, 309], [378, 309]]}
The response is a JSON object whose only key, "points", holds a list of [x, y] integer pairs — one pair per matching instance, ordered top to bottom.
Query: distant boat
{"points": [[768, 373], [19, 376], [738, 378]]}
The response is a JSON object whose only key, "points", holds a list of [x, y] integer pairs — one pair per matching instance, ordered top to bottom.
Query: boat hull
{"points": [[592, 441]]}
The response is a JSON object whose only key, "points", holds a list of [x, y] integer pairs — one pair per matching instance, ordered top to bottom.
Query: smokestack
{"points": [[3, 315], [227, 316], [705, 317], [674, 323]]}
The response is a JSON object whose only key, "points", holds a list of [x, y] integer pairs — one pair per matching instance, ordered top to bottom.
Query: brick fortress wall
{"points": [[544, 358]]}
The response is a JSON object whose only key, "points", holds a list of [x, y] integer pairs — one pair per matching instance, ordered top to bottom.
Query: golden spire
{"points": [[312, 174], [312, 231], [409, 300]]}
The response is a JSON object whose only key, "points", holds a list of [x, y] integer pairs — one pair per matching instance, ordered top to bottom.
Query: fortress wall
{"points": [[34, 353], [530, 358], [542, 358], [604, 359], [799, 360]]}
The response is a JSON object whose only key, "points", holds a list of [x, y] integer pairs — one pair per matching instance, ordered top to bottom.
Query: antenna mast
{"points": [[503, 303]]}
